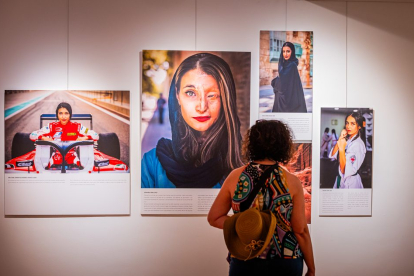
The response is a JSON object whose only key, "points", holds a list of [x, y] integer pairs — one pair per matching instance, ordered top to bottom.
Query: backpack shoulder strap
{"points": [[260, 184]]}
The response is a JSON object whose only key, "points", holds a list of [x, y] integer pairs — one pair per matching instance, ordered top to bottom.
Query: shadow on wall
{"points": [[375, 18]]}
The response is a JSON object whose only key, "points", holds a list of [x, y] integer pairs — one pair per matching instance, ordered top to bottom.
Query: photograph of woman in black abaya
{"points": [[287, 87]]}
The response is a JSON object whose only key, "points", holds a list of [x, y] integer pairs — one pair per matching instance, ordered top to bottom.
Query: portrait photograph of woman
{"points": [[286, 72], [195, 109], [64, 116], [67, 152], [346, 162]]}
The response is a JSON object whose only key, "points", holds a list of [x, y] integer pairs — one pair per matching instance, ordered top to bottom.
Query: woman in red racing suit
{"points": [[64, 130]]}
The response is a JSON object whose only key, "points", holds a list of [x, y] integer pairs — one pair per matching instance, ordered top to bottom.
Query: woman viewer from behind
{"points": [[267, 144], [350, 150]]}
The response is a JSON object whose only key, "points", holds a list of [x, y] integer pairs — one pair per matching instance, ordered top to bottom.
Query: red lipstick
{"points": [[202, 118]]}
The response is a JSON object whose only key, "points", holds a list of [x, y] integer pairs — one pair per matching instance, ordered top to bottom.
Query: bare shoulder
{"points": [[238, 171], [235, 174], [232, 179], [294, 184]]}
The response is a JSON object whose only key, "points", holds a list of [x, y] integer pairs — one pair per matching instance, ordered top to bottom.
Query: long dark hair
{"points": [[360, 120], [334, 133], [223, 139]]}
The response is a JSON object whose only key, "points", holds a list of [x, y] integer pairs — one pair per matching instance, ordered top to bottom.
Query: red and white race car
{"points": [[58, 156]]}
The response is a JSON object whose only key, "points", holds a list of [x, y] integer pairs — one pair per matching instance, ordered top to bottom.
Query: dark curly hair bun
{"points": [[268, 140]]}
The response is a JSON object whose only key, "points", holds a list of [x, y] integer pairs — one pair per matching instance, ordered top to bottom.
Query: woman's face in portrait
{"points": [[287, 52], [199, 99], [63, 115], [351, 126]]}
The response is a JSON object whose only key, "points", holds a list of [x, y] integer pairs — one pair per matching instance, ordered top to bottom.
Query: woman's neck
{"points": [[265, 161]]}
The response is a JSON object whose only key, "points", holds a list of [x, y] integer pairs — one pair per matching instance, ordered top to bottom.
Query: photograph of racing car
{"points": [[62, 144]]}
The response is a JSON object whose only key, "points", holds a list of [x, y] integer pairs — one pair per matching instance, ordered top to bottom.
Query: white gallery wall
{"points": [[363, 57]]}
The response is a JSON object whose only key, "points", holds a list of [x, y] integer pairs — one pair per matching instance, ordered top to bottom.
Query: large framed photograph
{"points": [[286, 79], [195, 109], [67, 152], [346, 161]]}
